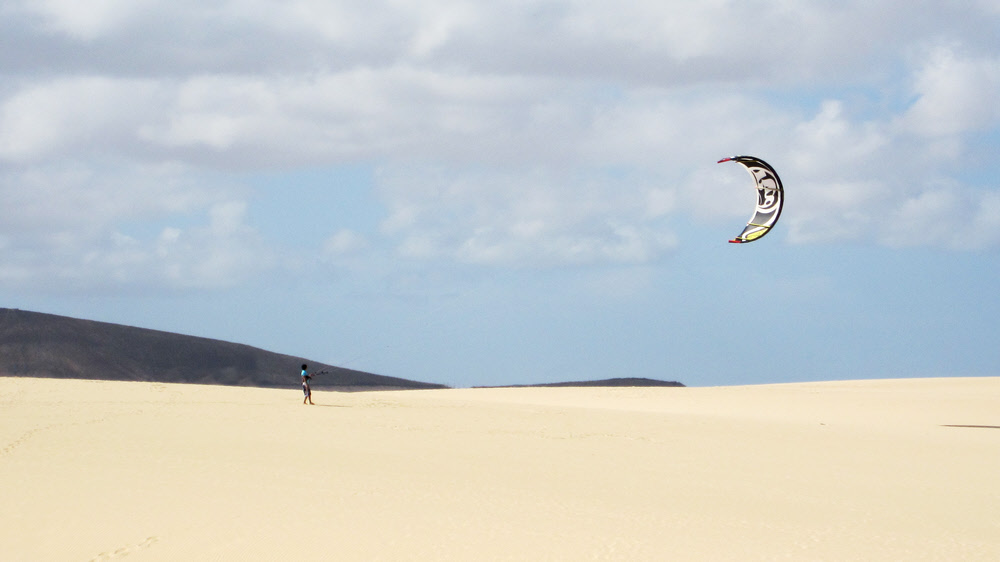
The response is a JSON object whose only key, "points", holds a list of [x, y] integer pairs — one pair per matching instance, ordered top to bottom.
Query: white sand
{"points": [[860, 470]]}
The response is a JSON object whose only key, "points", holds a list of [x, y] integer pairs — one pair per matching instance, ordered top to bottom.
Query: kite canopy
{"points": [[770, 198]]}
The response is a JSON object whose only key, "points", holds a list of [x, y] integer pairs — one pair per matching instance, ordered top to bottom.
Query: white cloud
{"points": [[87, 20], [956, 94], [354, 114], [73, 115], [529, 133], [831, 143], [74, 195], [835, 211], [948, 216], [496, 217], [80, 226], [344, 242], [220, 254]]}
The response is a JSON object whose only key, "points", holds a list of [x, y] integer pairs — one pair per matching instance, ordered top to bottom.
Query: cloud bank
{"points": [[533, 134]]}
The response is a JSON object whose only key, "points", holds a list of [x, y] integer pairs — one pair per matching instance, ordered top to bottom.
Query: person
{"points": [[305, 386]]}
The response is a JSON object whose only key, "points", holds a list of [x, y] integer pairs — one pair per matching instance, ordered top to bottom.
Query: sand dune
{"points": [[859, 470]]}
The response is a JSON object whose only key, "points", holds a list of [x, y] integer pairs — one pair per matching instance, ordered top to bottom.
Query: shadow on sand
{"points": [[975, 426]]}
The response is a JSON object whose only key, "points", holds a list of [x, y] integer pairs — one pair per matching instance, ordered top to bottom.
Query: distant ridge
{"points": [[34, 344], [628, 381]]}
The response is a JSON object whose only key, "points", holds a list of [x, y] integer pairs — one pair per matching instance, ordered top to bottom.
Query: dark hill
{"points": [[33, 344], [604, 383]]}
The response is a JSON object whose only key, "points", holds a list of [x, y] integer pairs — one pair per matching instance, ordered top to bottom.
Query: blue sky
{"points": [[473, 193]]}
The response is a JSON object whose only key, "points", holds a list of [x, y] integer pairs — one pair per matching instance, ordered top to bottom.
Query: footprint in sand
{"points": [[9, 448], [125, 550]]}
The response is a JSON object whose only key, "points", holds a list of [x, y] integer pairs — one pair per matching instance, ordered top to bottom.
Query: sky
{"points": [[482, 193]]}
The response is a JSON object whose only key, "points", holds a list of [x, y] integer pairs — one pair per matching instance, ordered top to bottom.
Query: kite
{"points": [[770, 198]]}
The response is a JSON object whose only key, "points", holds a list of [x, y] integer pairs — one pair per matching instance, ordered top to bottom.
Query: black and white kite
{"points": [[770, 198]]}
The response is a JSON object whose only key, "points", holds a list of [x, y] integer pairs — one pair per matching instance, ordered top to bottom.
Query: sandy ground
{"points": [[859, 470]]}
